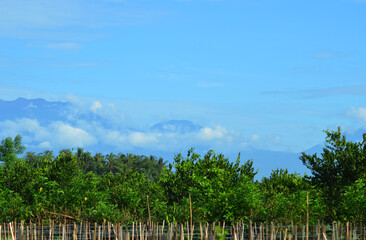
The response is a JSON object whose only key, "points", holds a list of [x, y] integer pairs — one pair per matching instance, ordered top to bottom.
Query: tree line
{"points": [[78, 185]]}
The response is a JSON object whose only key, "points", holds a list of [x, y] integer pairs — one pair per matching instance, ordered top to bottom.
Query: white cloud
{"points": [[96, 106], [358, 113], [23, 125], [118, 134], [208, 134], [67, 135], [112, 137], [255, 137], [140, 139], [45, 144]]}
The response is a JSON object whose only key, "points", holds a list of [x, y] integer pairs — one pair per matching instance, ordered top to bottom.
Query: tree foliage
{"points": [[340, 165], [128, 187]]}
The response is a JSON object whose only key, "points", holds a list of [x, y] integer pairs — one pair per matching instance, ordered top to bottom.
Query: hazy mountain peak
{"points": [[181, 126]]}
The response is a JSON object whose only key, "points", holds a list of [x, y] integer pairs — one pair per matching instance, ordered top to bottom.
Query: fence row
{"points": [[187, 231]]}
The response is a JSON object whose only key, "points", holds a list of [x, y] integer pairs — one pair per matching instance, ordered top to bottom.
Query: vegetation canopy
{"points": [[128, 187]]}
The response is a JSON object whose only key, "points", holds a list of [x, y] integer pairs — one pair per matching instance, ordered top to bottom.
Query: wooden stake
{"points": [[148, 209], [190, 210], [307, 215], [21, 230], [133, 230], [35, 231], [181, 232]]}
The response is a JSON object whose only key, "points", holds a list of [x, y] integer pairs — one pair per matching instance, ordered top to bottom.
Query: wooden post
{"points": [[148, 209], [190, 210], [307, 215], [187, 228], [11, 230], [21, 230], [41, 230], [133, 230], [250, 230], [109, 231], [35, 232], [75, 232], [181, 232]]}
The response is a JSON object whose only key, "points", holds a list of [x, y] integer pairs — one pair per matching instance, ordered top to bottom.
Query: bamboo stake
{"points": [[148, 208], [190, 210], [307, 215], [15, 228], [162, 228], [187, 228], [49, 229], [103, 229], [11, 230], [21, 230], [30, 230], [42, 230], [133, 230], [250, 230], [35, 231], [63, 231], [86, 231], [95, 231], [109, 231], [139, 231], [242, 231], [120, 232], [181, 232], [74, 233], [115, 233], [324, 234], [127, 236]]}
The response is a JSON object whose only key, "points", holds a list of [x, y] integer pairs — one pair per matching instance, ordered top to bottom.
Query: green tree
{"points": [[9, 148], [340, 165], [212, 181], [284, 196], [354, 203]]}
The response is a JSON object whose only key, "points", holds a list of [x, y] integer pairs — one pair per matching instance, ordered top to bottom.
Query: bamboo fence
{"points": [[174, 231]]}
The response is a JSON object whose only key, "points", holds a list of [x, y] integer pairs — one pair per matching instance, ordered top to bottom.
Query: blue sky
{"points": [[268, 74]]}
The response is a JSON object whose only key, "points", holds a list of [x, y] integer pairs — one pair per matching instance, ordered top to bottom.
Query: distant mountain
{"points": [[39, 109], [46, 113], [180, 126], [315, 149]]}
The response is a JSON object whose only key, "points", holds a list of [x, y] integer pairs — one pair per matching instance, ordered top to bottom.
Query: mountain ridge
{"points": [[46, 112]]}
